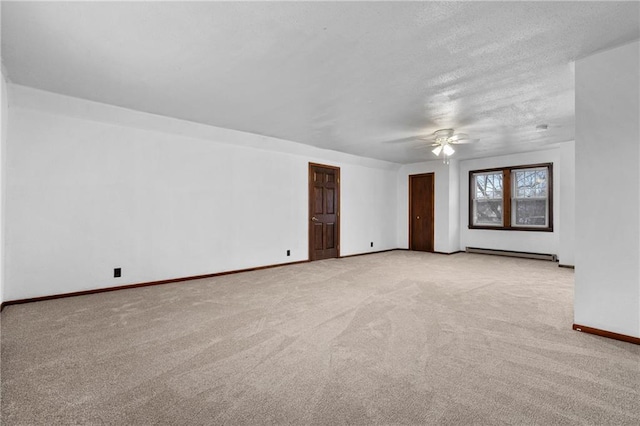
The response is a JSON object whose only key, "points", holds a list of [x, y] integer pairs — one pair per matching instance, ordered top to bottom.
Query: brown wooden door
{"points": [[324, 211], [421, 212]]}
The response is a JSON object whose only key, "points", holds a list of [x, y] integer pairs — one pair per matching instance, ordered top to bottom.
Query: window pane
{"points": [[530, 183], [488, 186], [488, 212], [532, 212]]}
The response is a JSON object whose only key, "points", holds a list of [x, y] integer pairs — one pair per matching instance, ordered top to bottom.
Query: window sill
{"points": [[512, 228]]}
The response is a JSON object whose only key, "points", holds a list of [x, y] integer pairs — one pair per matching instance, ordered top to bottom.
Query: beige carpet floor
{"points": [[389, 338]]}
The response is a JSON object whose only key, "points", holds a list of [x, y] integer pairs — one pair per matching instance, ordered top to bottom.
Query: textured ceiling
{"points": [[363, 78]]}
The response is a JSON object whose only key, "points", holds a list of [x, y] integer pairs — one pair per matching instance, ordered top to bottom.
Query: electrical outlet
{"points": [[371, 243], [288, 252], [117, 272]]}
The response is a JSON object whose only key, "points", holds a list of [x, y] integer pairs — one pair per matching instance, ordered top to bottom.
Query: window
{"points": [[512, 198], [487, 200], [529, 201]]}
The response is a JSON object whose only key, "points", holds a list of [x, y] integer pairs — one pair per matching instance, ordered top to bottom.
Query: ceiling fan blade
{"points": [[458, 136], [426, 139], [404, 140], [463, 141]]}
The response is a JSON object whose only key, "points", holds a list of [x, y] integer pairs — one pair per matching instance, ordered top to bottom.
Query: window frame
{"points": [[508, 199]]}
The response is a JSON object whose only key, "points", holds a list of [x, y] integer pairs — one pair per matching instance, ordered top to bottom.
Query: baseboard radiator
{"points": [[539, 256]]}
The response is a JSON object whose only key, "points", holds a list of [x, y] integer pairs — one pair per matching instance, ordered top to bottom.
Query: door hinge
{"points": [[338, 180]]}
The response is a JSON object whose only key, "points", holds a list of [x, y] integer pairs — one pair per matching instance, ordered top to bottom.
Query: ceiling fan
{"points": [[444, 138]]}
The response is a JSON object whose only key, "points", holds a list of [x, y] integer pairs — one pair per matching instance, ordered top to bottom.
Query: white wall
{"points": [[4, 102], [91, 187], [369, 205], [454, 206], [446, 213], [567, 235], [525, 241], [607, 288]]}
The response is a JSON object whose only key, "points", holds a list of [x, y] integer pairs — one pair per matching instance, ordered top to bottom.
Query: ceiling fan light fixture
{"points": [[443, 140]]}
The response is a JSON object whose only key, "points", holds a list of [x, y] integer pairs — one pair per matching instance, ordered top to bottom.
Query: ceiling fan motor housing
{"points": [[442, 135]]}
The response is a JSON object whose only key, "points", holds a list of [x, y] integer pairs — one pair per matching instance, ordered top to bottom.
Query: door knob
{"points": [[418, 217], [314, 219]]}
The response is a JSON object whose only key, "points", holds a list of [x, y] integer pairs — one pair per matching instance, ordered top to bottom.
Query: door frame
{"points": [[310, 207], [433, 209]]}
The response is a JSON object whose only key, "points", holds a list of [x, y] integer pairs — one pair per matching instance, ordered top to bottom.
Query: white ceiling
{"points": [[355, 77]]}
